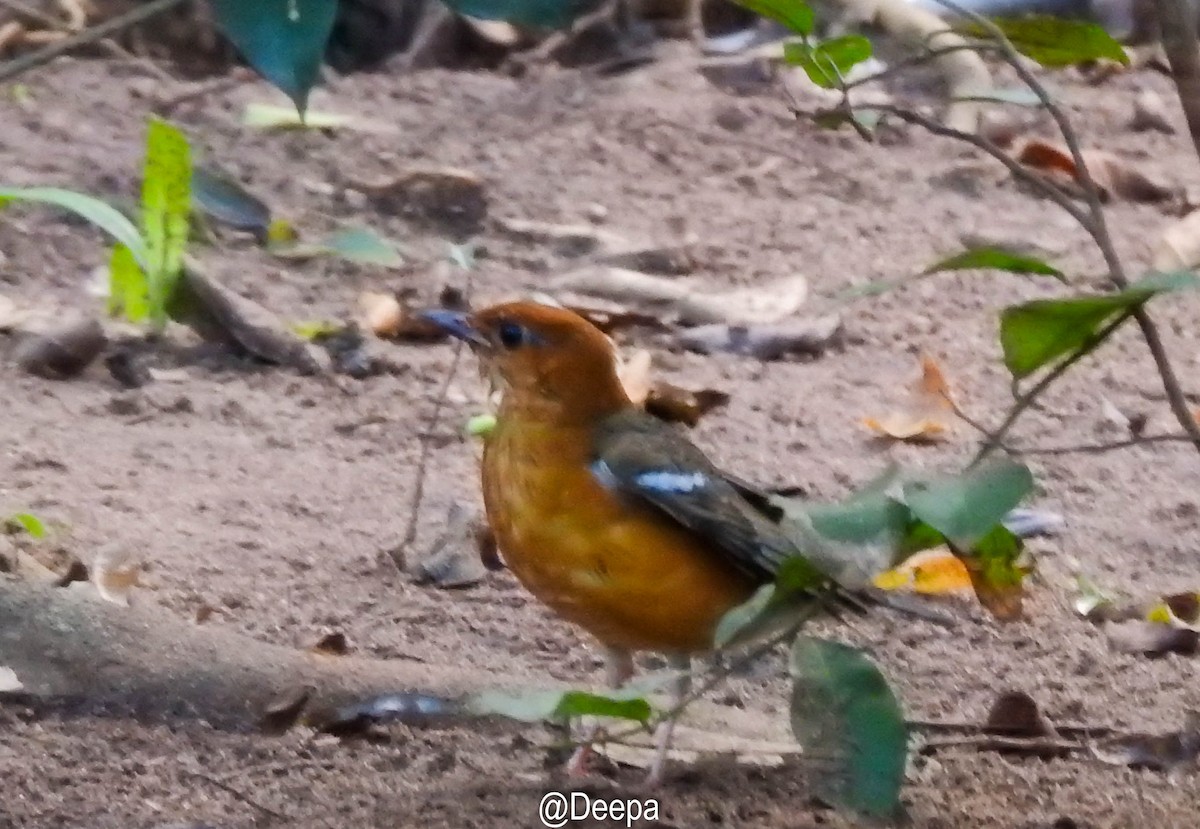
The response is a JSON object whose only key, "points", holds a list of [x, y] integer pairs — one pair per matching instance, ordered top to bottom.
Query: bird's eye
{"points": [[511, 335]]}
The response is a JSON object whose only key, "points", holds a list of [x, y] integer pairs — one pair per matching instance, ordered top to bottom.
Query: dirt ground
{"points": [[270, 496]]}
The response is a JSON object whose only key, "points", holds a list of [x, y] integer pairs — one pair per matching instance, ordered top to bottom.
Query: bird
{"points": [[606, 514]]}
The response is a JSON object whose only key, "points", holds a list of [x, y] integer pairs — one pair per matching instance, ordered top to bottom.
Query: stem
{"points": [[138, 14], [1177, 21], [1027, 399]]}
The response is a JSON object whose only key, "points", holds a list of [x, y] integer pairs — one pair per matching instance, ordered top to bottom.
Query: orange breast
{"points": [[625, 573]]}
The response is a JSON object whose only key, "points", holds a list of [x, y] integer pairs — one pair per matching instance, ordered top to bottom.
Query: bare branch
{"points": [[1177, 20]]}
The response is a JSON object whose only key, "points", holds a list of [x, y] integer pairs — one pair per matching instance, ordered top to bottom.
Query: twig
{"points": [[36, 15], [1177, 19], [101, 31], [1098, 226], [1027, 398], [1099, 448], [410, 533], [992, 742], [238, 795]]}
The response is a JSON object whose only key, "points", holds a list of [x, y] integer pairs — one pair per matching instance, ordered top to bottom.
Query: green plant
{"points": [[147, 259]]}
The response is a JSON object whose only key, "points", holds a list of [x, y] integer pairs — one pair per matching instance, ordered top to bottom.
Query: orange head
{"points": [[550, 362]]}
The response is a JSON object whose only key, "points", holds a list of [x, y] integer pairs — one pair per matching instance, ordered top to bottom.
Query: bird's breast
{"points": [[618, 568]]}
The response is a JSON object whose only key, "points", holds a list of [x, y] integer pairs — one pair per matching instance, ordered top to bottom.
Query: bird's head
{"points": [[546, 361]]}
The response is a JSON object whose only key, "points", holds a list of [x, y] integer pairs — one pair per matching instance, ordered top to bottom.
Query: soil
{"points": [[271, 497]]}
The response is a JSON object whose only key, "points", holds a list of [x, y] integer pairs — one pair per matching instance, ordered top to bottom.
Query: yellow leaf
{"points": [[936, 572]]}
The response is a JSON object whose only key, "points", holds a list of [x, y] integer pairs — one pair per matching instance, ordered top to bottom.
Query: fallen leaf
{"points": [[1150, 112], [272, 117], [1114, 177], [447, 195], [1179, 247], [680, 301], [387, 317], [766, 341], [62, 352], [634, 374], [675, 404], [928, 414], [455, 559], [936, 572], [115, 574], [1092, 603], [1177, 609], [203, 613], [1152, 638], [331, 644], [8, 681], [285, 710], [1015, 714], [1160, 752]]}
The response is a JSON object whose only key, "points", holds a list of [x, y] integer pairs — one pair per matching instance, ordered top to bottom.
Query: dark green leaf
{"points": [[538, 14], [796, 15], [283, 39], [1053, 41], [827, 63], [225, 199], [166, 210], [102, 214], [360, 244], [997, 259], [128, 290], [1034, 334], [966, 507], [28, 522], [788, 601], [535, 706], [850, 725]]}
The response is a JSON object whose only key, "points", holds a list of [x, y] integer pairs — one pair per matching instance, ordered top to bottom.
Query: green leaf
{"points": [[538, 14], [796, 15], [283, 39], [1055, 42], [827, 63], [225, 199], [166, 210], [102, 214], [360, 244], [997, 259], [128, 290], [317, 329], [1034, 334], [481, 425], [967, 507], [28, 522], [787, 601], [535, 706], [848, 721]]}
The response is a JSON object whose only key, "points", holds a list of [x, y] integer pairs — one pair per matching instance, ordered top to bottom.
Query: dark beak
{"points": [[456, 324]]}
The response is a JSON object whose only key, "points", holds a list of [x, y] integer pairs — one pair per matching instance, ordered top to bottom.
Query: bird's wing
{"points": [[646, 459]]}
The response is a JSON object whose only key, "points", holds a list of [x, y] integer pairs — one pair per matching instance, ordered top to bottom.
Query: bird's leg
{"points": [[695, 23], [618, 669], [680, 686]]}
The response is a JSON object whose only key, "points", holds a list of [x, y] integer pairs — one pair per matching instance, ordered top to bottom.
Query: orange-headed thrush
{"points": [[607, 514]]}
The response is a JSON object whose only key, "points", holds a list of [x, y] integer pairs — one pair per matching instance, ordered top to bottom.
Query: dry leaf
{"points": [[1150, 112], [1114, 177], [446, 195], [1179, 247], [680, 301], [382, 314], [766, 341], [62, 352], [634, 374], [679, 405], [929, 413], [455, 559], [936, 572], [115, 574], [203, 613], [1152, 638], [331, 644], [8, 681], [285, 710], [1015, 714]]}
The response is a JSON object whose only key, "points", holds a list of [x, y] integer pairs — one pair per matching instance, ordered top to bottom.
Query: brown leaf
{"points": [[1114, 177], [446, 196], [63, 352], [679, 405], [928, 414], [115, 573], [1004, 602], [1184, 606], [203, 613], [1151, 638], [331, 644], [284, 711], [1015, 714]]}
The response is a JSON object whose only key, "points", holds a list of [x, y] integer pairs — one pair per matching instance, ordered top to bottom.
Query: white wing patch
{"points": [[604, 475], [677, 483]]}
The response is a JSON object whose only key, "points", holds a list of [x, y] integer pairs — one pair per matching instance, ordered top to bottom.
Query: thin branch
{"points": [[134, 16], [1177, 20], [919, 59], [1028, 398], [1099, 448], [397, 553], [237, 794]]}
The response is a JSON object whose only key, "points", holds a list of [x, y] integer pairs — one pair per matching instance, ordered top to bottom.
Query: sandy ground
{"points": [[270, 497]]}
